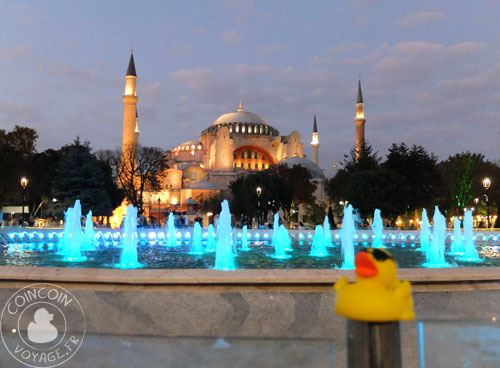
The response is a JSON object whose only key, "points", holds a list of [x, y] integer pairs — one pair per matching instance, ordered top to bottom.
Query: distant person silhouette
{"points": [[42, 331]]}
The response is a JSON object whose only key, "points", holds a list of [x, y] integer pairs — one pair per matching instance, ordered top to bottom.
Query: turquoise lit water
{"points": [[157, 255]]}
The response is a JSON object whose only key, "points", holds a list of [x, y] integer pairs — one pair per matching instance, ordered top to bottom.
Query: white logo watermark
{"points": [[42, 325]]}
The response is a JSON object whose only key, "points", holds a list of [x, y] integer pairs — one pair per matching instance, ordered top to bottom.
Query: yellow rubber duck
{"points": [[377, 295]]}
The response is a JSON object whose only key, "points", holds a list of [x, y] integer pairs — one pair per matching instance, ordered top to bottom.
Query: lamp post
{"points": [[24, 184], [486, 185], [259, 192], [476, 201], [159, 213]]}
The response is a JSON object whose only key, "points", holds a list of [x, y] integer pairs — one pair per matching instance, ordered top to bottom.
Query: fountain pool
{"points": [[156, 251]]}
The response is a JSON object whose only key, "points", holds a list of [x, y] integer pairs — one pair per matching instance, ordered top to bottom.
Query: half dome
{"points": [[315, 170]]}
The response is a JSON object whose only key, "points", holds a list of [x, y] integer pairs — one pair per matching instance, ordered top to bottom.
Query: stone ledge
{"points": [[236, 277]]}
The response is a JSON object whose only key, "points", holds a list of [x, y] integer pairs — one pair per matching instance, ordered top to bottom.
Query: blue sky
{"points": [[430, 70]]}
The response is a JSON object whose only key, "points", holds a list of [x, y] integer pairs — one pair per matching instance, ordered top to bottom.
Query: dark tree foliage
{"points": [[17, 147], [368, 160], [419, 174], [79, 176], [406, 181], [462, 182], [338, 187], [299, 188], [377, 188], [115, 194], [245, 199], [210, 204], [315, 214]]}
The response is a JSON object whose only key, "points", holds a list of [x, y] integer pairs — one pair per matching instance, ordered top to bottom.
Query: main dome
{"points": [[239, 117], [242, 122]]}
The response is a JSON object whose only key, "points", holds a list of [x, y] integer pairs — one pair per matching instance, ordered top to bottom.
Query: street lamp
{"points": [[24, 184], [486, 185], [259, 192], [159, 204]]}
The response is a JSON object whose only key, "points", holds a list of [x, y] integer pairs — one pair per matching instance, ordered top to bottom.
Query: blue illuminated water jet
{"points": [[276, 227], [377, 228], [171, 231], [89, 233], [327, 234], [425, 234], [346, 237], [211, 239], [244, 239], [281, 243], [70, 245], [196, 245], [457, 245], [318, 247], [224, 249], [470, 251], [435, 253], [128, 257]]}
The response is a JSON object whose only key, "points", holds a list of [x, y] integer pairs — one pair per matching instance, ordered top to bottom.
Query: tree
{"points": [[17, 147], [368, 160], [137, 169], [42, 171], [418, 172], [79, 176], [462, 182], [338, 187], [299, 188], [377, 188], [245, 199], [210, 204], [315, 214]]}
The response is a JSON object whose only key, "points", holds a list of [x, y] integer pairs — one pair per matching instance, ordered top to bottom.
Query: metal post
{"points": [[24, 201], [159, 204], [488, 210], [373, 344]]}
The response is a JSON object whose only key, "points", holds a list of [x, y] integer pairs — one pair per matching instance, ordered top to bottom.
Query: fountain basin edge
{"points": [[234, 277]]}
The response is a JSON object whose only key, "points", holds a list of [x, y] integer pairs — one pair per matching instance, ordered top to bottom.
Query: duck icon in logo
{"points": [[41, 330]]}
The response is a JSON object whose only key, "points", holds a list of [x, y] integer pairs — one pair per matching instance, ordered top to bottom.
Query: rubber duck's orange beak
{"points": [[365, 267]]}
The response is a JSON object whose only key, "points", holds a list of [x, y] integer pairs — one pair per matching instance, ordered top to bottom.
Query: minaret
{"points": [[130, 119], [359, 122], [137, 131], [315, 142]]}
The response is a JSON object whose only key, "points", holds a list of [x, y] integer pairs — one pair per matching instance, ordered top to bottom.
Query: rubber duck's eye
{"points": [[380, 255]]}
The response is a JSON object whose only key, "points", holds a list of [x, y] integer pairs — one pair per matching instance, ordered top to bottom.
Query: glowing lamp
{"points": [[486, 183]]}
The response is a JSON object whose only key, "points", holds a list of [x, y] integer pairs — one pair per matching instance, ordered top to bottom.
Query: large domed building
{"points": [[235, 143]]}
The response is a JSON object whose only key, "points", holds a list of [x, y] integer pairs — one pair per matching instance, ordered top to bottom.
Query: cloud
{"points": [[243, 9], [419, 18], [197, 31], [231, 38], [272, 48], [345, 48], [466, 48], [12, 53], [354, 54], [415, 62], [65, 70], [245, 71], [199, 80], [151, 93], [19, 114]]}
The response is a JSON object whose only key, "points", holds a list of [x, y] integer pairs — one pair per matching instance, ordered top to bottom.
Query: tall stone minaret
{"points": [[130, 119], [359, 122], [137, 131], [315, 142]]}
